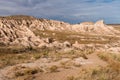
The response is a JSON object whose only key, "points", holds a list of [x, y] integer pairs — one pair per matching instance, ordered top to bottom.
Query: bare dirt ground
{"points": [[67, 55], [92, 61], [62, 73]]}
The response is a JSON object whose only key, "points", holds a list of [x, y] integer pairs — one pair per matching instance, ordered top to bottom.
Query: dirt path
{"points": [[92, 61], [96, 61], [62, 75], [2, 77]]}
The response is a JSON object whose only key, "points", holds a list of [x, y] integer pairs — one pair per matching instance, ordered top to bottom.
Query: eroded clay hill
{"points": [[96, 28], [19, 30], [13, 32]]}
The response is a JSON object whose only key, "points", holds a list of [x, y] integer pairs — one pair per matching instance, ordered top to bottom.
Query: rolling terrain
{"points": [[41, 49]]}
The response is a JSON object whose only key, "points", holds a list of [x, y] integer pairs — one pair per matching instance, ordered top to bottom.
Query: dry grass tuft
{"points": [[53, 68], [99, 73], [71, 78]]}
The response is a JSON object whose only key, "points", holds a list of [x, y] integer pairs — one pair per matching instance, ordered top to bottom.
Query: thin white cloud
{"points": [[67, 10]]}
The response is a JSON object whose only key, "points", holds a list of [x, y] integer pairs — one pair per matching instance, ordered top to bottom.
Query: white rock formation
{"points": [[98, 28], [19, 30], [13, 34]]}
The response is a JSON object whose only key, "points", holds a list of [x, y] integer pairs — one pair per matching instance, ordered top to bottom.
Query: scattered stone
{"points": [[49, 40], [67, 44]]}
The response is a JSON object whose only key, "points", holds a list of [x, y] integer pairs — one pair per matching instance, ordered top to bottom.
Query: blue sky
{"points": [[72, 11]]}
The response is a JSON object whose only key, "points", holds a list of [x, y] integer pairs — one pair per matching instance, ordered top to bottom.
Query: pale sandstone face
{"points": [[95, 28], [20, 31], [12, 33]]}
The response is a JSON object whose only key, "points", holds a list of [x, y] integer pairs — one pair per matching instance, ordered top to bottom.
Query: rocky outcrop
{"points": [[95, 28], [19, 30], [13, 33]]}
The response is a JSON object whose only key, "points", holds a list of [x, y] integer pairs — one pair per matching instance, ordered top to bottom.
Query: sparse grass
{"points": [[116, 26], [73, 36], [11, 49], [89, 51], [73, 54], [7, 56], [36, 56], [84, 56], [104, 56], [109, 56], [7, 59], [11, 59], [112, 59], [63, 63], [66, 64], [77, 65], [53, 68], [27, 71], [20, 72], [110, 72], [98, 73], [27, 77], [71, 78]]}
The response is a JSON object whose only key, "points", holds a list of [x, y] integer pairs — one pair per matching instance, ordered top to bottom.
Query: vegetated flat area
{"points": [[116, 26], [74, 36], [49, 64]]}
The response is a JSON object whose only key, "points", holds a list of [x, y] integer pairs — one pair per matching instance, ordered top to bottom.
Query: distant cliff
{"points": [[19, 30]]}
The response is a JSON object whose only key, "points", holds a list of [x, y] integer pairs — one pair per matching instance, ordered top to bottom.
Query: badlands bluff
{"points": [[22, 31], [55, 50]]}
